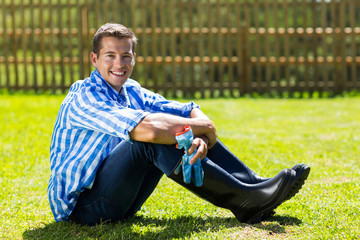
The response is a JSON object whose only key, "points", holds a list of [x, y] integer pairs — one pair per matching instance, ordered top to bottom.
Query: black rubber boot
{"points": [[248, 202]]}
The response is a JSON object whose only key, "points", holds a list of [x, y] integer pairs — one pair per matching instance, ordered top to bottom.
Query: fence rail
{"points": [[186, 47]]}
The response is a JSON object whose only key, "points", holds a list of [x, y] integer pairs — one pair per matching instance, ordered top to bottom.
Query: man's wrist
{"points": [[204, 138]]}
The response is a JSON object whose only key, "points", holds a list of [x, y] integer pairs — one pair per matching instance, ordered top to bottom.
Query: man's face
{"points": [[115, 60]]}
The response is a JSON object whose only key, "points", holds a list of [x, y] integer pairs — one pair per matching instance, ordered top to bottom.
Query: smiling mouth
{"points": [[118, 74]]}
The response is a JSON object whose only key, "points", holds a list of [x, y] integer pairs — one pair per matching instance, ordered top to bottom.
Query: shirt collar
{"points": [[121, 97]]}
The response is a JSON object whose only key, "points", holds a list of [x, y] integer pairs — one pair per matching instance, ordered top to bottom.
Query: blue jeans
{"points": [[130, 173], [124, 181]]}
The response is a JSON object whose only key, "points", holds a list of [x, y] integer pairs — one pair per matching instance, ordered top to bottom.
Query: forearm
{"points": [[197, 113], [161, 128], [209, 138]]}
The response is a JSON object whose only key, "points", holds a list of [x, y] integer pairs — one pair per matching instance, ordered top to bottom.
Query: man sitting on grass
{"points": [[113, 140]]}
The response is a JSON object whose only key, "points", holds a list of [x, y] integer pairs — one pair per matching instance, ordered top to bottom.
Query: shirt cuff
{"points": [[188, 108], [140, 116]]}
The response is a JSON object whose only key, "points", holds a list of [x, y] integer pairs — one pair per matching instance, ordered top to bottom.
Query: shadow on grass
{"points": [[141, 227]]}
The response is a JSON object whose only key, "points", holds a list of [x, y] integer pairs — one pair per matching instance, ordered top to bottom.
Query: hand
{"points": [[207, 128], [212, 139], [199, 143]]}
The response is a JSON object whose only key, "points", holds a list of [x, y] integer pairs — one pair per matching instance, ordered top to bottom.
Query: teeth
{"points": [[119, 73]]}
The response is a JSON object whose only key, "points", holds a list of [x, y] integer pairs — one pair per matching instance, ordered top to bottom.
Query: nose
{"points": [[119, 61]]}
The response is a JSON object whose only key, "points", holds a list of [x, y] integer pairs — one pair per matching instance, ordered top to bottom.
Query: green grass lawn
{"points": [[268, 134]]}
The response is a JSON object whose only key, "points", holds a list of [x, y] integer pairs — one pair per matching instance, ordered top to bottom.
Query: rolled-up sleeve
{"points": [[109, 117]]}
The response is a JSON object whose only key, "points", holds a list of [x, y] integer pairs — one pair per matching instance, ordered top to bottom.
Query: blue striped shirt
{"points": [[92, 120]]}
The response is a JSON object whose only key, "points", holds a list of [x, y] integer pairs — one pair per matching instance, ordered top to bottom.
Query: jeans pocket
{"points": [[102, 210]]}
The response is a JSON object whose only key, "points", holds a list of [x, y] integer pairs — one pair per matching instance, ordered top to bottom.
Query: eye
{"points": [[127, 58]]}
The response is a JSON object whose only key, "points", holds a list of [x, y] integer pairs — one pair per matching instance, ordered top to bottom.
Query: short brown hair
{"points": [[112, 30]]}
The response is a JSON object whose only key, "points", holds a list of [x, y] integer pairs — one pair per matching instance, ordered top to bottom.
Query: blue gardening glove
{"points": [[193, 172]]}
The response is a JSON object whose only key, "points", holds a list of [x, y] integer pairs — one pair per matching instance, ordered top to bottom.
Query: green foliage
{"points": [[267, 134]]}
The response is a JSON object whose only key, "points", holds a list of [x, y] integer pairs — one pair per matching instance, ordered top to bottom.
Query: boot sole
{"points": [[299, 182], [295, 188], [257, 217]]}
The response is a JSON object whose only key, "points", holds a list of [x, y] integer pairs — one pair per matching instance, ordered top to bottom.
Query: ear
{"points": [[94, 58], [133, 62]]}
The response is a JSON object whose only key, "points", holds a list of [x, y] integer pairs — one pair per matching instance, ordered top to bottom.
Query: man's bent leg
{"points": [[125, 179]]}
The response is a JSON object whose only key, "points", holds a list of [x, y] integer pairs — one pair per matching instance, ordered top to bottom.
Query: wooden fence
{"points": [[188, 48]]}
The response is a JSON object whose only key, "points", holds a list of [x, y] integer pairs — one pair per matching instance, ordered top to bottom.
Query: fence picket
{"points": [[285, 9], [182, 10], [324, 25], [173, 44], [353, 44], [14, 46], [24, 46], [42, 46], [277, 47], [210, 48], [5, 49], [34, 49], [153, 49], [219, 49], [334, 49], [343, 67]]}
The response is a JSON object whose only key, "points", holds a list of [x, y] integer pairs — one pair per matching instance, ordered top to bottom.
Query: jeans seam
{"points": [[176, 166], [82, 213]]}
